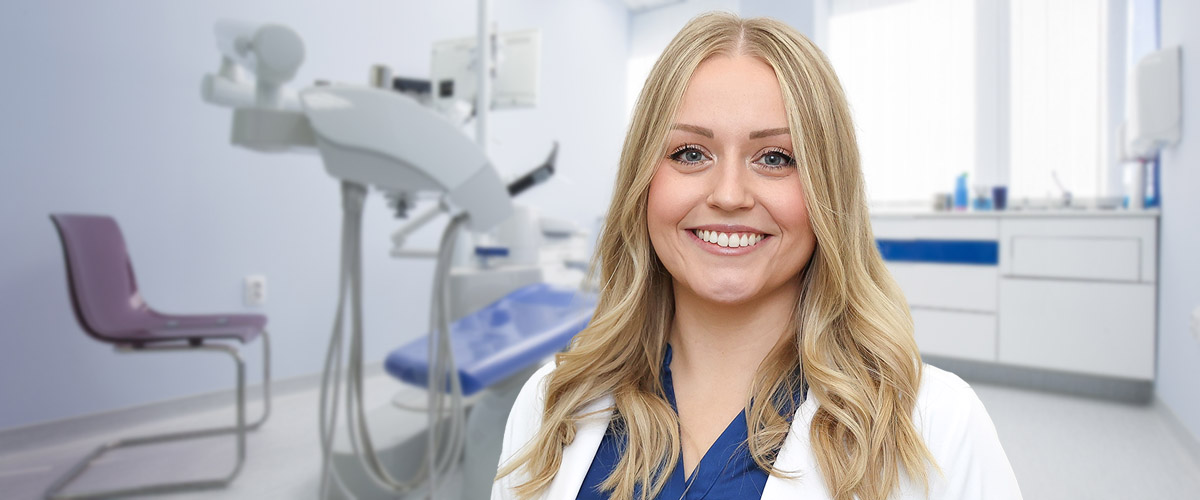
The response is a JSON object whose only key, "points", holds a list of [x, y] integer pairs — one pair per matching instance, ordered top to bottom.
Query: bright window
{"points": [[909, 73], [1058, 97], [927, 107]]}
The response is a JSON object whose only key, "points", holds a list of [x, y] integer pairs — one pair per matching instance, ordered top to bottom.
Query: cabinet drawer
{"points": [[1081, 248], [1110, 259], [942, 286], [1087, 327], [955, 334]]}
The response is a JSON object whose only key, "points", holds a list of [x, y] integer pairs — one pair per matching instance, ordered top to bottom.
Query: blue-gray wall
{"points": [[798, 14], [102, 114], [1178, 383]]}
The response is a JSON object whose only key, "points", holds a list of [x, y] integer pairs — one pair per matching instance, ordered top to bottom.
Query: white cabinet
{"points": [[969, 288], [1069, 291], [1078, 295], [953, 304], [1096, 328], [955, 334]]}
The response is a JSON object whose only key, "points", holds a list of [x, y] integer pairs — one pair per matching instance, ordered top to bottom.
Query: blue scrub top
{"points": [[726, 471]]}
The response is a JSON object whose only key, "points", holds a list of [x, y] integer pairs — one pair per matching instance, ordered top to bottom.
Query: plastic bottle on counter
{"points": [[960, 192]]}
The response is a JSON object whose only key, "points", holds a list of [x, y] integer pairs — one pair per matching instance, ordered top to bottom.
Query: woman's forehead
{"points": [[733, 95]]}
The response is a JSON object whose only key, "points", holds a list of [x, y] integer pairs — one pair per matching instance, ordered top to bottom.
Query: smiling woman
{"points": [[748, 341]]}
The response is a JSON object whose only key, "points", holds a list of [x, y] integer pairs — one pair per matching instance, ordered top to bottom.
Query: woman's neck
{"points": [[728, 341]]}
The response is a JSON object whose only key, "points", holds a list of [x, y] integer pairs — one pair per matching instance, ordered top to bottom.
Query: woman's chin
{"points": [[726, 295]]}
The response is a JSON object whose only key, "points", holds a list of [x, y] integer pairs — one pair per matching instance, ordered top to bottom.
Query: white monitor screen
{"points": [[515, 82]]}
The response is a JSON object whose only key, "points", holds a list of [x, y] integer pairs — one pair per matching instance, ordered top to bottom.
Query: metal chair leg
{"points": [[266, 412], [54, 492]]}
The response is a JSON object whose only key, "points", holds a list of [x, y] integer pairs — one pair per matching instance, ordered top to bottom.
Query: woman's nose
{"points": [[728, 189]]}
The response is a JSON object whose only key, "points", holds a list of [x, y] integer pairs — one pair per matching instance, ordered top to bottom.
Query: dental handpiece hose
{"points": [[448, 437]]}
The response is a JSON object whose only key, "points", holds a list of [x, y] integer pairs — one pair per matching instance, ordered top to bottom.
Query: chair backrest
{"points": [[104, 293]]}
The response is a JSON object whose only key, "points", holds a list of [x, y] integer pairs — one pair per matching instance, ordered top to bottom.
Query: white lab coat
{"points": [[952, 421]]}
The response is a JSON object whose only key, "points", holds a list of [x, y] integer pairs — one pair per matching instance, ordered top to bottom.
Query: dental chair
{"points": [[106, 302], [496, 349]]}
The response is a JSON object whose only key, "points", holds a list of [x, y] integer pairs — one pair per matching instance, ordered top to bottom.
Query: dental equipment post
{"points": [[483, 99]]}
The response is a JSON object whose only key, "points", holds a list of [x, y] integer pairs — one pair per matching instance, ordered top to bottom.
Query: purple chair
{"points": [[105, 298]]}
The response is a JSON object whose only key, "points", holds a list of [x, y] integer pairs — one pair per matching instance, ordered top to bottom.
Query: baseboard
{"points": [[1110, 388], [43, 434], [1189, 441]]}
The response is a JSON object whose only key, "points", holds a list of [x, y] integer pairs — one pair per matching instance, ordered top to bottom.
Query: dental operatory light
{"points": [[273, 53]]}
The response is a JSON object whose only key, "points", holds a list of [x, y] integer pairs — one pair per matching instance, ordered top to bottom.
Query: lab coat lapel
{"points": [[577, 456], [796, 457]]}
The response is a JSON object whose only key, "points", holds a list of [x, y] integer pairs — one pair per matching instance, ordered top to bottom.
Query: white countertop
{"points": [[1052, 212]]}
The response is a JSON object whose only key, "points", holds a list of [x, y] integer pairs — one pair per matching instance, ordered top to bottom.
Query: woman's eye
{"points": [[689, 155], [776, 159]]}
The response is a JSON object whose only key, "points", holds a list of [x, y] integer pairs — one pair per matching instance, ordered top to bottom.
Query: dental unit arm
{"points": [[365, 135], [535, 176]]}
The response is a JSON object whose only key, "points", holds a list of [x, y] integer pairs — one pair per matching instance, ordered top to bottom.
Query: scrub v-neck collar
{"points": [[716, 458]]}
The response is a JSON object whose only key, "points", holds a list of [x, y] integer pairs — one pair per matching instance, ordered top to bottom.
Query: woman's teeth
{"points": [[729, 240]]}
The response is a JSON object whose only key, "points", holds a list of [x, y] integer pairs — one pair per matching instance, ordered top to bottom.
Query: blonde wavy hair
{"points": [[853, 341]]}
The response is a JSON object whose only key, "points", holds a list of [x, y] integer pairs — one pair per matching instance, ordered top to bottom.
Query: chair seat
{"points": [[174, 327], [503, 338]]}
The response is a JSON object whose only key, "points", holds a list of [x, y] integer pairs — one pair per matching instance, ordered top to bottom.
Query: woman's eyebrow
{"points": [[694, 129], [768, 132], [708, 133], [758, 134]]}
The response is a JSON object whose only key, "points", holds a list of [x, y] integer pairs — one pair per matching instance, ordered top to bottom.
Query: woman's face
{"points": [[726, 210]]}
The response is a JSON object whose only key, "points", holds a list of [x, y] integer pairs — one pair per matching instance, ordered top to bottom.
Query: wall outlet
{"points": [[256, 290], [1196, 322]]}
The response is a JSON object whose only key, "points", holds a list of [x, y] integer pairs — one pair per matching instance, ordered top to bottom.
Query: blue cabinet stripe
{"points": [[977, 252]]}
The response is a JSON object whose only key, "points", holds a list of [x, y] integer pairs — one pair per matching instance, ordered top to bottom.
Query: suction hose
{"points": [[446, 433]]}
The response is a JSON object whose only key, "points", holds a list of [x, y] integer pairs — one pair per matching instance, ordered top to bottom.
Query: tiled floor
{"points": [[1064, 447], [1061, 448], [283, 457]]}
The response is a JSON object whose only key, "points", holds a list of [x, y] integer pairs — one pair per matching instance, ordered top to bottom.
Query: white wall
{"points": [[798, 14], [650, 32], [102, 114], [1178, 383]]}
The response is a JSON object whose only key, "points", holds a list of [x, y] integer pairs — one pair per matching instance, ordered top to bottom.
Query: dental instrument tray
{"points": [[503, 338]]}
